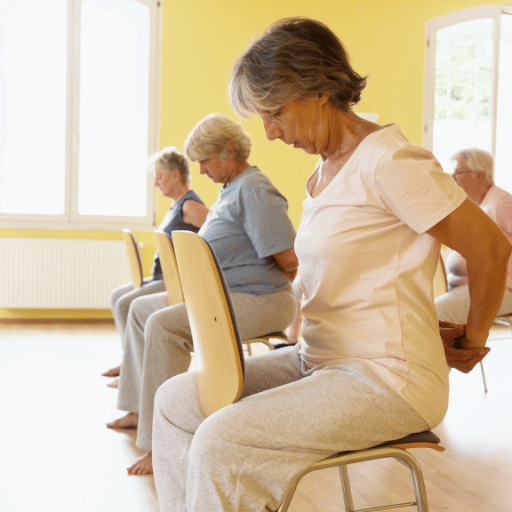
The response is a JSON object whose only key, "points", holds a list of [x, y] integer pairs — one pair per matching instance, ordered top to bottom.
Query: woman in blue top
{"points": [[172, 177], [252, 236]]}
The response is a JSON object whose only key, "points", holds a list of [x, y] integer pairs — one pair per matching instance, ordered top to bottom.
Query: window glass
{"points": [[463, 88], [76, 94], [33, 98], [113, 109], [503, 160]]}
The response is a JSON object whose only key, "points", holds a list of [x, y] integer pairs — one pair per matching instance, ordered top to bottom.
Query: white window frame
{"points": [[431, 27], [71, 219]]}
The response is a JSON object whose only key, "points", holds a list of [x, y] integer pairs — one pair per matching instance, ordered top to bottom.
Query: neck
{"points": [[345, 132], [238, 167], [179, 191], [478, 196]]}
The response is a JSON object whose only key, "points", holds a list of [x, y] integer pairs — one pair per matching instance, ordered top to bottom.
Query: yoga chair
{"points": [[133, 258], [169, 268], [173, 286], [440, 287], [217, 344], [221, 376]]}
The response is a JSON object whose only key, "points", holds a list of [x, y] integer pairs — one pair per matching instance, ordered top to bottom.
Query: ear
{"points": [[323, 99], [232, 146], [481, 176]]}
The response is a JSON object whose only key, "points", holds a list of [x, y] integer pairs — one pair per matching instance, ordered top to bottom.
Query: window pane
{"points": [[463, 88], [33, 97], [113, 108], [503, 163]]}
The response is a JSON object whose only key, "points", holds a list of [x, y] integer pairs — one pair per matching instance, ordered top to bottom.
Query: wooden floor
{"points": [[58, 456]]}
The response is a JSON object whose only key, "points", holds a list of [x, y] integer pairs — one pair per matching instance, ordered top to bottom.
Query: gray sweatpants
{"points": [[123, 296], [453, 306], [163, 348], [244, 457]]}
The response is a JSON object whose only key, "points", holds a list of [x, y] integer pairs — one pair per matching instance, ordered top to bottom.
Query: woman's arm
{"points": [[194, 212], [470, 232], [287, 262]]}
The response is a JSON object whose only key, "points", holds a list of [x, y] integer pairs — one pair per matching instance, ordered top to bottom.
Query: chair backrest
{"points": [[134, 258], [169, 268], [440, 282], [220, 374]]}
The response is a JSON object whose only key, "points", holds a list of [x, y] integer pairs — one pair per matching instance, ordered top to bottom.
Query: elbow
{"points": [[501, 250], [507, 251]]}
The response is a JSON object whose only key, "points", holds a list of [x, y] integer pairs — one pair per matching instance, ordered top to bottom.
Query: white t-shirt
{"points": [[367, 267]]}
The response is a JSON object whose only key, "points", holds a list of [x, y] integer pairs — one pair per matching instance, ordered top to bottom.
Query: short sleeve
{"points": [[412, 184], [504, 213], [265, 219]]}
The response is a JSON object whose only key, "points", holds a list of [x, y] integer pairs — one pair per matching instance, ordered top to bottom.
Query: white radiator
{"points": [[60, 274]]}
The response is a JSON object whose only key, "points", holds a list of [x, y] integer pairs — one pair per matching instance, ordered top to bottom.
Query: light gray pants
{"points": [[122, 297], [453, 306], [165, 348], [130, 377], [244, 457]]}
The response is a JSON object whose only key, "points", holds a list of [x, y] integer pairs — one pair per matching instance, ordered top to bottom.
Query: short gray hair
{"points": [[293, 59], [210, 137], [170, 158], [477, 160]]}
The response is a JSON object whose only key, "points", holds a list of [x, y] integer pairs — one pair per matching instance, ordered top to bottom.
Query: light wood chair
{"points": [[133, 258], [169, 268], [173, 286], [440, 287], [217, 344], [221, 370]]}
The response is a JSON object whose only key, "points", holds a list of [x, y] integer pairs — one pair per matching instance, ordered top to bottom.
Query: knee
{"points": [[153, 323], [177, 401]]}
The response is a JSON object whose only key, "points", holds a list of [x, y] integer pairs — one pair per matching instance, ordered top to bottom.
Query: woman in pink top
{"points": [[474, 174], [371, 366]]}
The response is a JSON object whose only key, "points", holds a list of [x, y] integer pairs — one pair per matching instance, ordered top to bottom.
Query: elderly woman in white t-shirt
{"points": [[371, 366]]}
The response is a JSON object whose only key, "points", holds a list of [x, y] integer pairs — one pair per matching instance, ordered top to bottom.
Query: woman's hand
{"points": [[287, 262], [457, 356]]}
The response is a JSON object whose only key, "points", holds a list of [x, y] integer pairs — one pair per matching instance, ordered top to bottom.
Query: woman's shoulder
{"points": [[390, 146], [253, 178], [191, 195]]}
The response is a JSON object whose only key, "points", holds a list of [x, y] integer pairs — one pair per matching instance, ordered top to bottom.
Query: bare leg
{"points": [[113, 372], [128, 421], [144, 466]]}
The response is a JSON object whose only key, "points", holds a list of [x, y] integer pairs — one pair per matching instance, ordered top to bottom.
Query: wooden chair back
{"points": [[133, 258], [169, 268], [217, 345]]}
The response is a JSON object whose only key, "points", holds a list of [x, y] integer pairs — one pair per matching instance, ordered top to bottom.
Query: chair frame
{"points": [[132, 250], [393, 449]]}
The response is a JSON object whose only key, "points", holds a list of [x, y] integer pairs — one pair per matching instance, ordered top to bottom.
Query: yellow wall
{"points": [[201, 39]]}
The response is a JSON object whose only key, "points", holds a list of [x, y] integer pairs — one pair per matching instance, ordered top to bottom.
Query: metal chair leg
{"points": [[483, 376], [417, 478], [347, 492]]}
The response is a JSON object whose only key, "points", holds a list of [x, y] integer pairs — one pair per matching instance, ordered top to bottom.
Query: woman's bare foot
{"points": [[113, 372], [114, 383], [128, 421], [144, 466]]}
